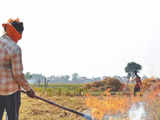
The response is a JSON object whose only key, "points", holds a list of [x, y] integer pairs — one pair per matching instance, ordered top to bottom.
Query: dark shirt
{"points": [[138, 82]]}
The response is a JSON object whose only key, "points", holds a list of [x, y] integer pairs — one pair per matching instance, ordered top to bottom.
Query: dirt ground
{"points": [[33, 109]]}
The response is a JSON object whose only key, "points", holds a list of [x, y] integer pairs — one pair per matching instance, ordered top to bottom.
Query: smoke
{"points": [[137, 112]]}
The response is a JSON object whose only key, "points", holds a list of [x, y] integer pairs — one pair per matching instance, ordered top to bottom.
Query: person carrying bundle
{"points": [[138, 85]]}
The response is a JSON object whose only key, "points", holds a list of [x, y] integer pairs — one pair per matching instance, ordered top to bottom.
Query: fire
{"points": [[107, 104]]}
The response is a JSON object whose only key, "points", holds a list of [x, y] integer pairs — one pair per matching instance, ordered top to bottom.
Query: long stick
{"points": [[64, 108]]}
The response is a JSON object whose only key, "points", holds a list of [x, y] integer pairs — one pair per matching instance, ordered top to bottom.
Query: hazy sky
{"points": [[90, 37]]}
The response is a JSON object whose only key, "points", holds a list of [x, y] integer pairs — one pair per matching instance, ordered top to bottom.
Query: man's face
{"points": [[5, 27]]}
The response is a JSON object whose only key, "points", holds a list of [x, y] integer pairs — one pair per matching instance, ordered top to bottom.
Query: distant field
{"points": [[64, 85], [61, 89], [72, 90]]}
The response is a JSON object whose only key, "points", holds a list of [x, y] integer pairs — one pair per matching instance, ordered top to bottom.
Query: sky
{"points": [[89, 37]]}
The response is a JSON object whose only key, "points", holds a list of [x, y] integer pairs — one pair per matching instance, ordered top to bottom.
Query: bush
{"points": [[112, 83], [147, 83], [97, 84]]}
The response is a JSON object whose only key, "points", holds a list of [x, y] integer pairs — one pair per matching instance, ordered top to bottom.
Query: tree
{"points": [[132, 68], [28, 75], [75, 76], [38, 78], [66, 78], [45, 82]]}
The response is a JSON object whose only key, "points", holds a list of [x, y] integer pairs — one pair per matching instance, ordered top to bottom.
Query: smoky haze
{"points": [[89, 37]]}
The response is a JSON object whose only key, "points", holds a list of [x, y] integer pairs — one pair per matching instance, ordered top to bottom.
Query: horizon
{"points": [[89, 77]]}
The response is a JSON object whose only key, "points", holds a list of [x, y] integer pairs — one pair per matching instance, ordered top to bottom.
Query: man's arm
{"points": [[17, 69]]}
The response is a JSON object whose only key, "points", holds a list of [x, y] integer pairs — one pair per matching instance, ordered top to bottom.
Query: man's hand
{"points": [[31, 93]]}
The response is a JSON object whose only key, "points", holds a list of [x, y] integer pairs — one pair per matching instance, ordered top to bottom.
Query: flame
{"points": [[106, 104]]}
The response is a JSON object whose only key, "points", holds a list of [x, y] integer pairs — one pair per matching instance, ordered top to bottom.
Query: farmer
{"points": [[11, 70], [138, 85]]}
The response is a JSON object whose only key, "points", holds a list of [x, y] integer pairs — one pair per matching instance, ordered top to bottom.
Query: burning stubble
{"points": [[131, 107]]}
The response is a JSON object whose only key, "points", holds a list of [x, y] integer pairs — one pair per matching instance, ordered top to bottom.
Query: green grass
{"points": [[64, 85], [61, 89], [70, 90]]}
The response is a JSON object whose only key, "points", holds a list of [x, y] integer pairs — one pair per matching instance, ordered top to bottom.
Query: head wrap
{"points": [[14, 29]]}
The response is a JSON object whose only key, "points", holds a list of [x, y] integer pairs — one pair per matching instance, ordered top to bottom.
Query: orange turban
{"points": [[11, 30]]}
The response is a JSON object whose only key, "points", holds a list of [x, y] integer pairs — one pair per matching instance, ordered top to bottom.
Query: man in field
{"points": [[11, 70]]}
